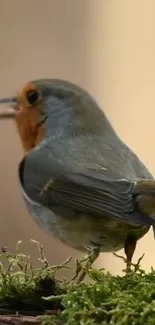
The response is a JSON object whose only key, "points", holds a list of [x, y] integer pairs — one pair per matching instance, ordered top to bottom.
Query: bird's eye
{"points": [[32, 96]]}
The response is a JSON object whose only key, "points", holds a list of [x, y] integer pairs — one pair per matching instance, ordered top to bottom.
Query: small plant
{"points": [[22, 287], [106, 300]]}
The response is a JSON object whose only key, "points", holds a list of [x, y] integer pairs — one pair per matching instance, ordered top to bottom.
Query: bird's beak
{"points": [[11, 107]]}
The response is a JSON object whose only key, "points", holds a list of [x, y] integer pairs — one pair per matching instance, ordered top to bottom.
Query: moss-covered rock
{"points": [[107, 299]]}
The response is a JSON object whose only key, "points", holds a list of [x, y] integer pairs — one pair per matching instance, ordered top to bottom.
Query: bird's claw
{"points": [[89, 259], [129, 263]]}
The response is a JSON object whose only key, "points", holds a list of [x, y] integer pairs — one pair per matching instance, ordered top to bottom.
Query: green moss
{"points": [[22, 287], [114, 300]]}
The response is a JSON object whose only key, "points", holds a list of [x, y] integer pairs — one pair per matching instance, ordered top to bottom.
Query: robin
{"points": [[80, 182]]}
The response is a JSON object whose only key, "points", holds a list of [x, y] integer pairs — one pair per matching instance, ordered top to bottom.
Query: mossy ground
{"points": [[114, 300]]}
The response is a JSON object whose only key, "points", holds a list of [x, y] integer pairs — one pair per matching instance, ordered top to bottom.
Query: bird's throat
{"points": [[31, 129]]}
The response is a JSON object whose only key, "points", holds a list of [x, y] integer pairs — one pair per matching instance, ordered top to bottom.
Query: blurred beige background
{"points": [[106, 46]]}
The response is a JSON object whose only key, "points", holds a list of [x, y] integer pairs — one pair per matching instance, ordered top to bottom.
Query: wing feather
{"points": [[87, 193]]}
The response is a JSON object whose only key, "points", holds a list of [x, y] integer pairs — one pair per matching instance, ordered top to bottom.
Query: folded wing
{"points": [[91, 193]]}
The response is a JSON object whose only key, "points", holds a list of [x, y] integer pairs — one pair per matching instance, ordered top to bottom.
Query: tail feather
{"points": [[146, 186], [144, 192]]}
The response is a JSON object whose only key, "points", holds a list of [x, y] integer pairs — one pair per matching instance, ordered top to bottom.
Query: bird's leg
{"points": [[129, 249], [90, 259]]}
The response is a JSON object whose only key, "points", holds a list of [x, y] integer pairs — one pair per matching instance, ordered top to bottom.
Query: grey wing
{"points": [[87, 192]]}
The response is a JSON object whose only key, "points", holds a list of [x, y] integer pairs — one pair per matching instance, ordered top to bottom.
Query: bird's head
{"points": [[52, 105], [26, 109]]}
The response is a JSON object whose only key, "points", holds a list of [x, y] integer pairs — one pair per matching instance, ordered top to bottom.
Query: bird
{"points": [[80, 182]]}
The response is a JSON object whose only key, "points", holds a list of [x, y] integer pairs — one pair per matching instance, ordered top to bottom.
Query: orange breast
{"points": [[30, 127]]}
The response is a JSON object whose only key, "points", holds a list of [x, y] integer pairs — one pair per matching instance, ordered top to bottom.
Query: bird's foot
{"points": [[128, 263], [137, 265], [82, 271]]}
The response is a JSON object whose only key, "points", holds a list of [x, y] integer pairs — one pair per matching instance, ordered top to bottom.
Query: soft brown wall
{"points": [[105, 46], [123, 74]]}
